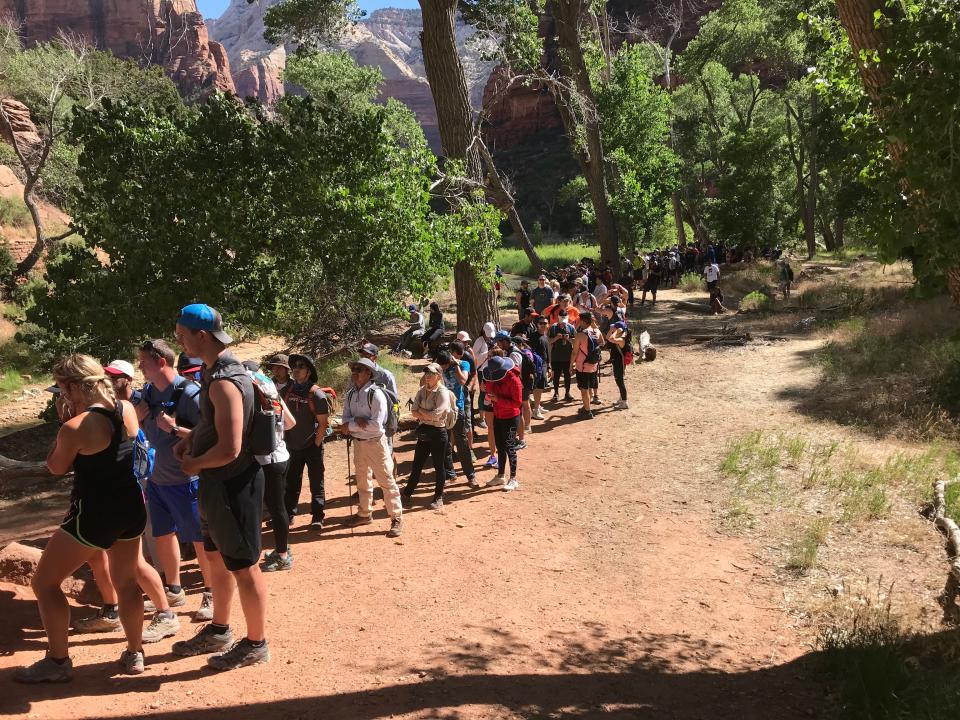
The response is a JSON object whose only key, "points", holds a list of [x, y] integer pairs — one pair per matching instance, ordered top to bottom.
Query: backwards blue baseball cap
{"points": [[203, 317], [502, 335]]}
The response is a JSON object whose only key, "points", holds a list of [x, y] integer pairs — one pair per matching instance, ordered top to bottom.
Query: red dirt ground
{"points": [[601, 589]]}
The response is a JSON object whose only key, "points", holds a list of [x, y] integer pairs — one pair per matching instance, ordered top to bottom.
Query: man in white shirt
{"points": [[712, 274], [364, 418]]}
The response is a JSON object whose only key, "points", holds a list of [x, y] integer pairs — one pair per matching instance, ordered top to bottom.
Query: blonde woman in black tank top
{"points": [[106, 513]]}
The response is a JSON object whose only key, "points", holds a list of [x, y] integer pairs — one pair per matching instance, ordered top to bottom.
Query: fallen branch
{"points": [[694, 306], [951, 531]]}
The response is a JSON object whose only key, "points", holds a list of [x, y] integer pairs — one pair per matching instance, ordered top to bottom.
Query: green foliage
{"points": [[311, 23], [335, 78], [634, 123], [318, 199], [14, 213], [515, 262], [691, 282], [755, 300], [802, 551]]}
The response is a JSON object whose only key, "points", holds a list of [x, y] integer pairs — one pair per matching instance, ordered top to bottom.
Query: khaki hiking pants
{"points": [[374, 455]]}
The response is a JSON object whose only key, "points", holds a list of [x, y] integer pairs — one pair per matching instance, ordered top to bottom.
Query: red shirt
{"points": [[509, 394]]}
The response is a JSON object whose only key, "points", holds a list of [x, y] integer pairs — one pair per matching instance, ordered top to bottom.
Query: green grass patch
{"points": [[14, 213], [515, 261], [755, 301], [802, 551]]}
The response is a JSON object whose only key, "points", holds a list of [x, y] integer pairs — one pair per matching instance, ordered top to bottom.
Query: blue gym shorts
{"points": [[173, 508]]}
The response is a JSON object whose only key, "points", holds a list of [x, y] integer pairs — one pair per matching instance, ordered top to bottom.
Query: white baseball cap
{"points": [[120, 367]]}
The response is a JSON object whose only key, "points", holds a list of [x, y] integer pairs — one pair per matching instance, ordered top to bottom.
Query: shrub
{"points": [[14, 213], [7, 265], [691, 282], [755, 301]]}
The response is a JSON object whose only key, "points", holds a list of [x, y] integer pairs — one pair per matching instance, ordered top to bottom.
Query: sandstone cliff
{"points": [[170, 33], [388, 38]]}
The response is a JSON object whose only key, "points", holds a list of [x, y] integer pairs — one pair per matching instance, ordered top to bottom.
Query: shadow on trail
{"points": [[578, 674]]}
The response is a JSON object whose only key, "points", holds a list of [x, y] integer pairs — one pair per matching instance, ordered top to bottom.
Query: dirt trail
{"points": [[601, 589]]}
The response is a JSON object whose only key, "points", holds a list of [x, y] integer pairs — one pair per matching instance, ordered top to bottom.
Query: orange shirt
{"points": [[553, 313]]}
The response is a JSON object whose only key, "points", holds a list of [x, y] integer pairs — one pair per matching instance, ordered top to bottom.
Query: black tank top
{"points": [[109, 470]]}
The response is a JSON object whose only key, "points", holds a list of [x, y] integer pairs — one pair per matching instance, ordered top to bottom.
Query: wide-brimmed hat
{"points": [[280, 359], [306, 359], [365, 363], [496, 368], [432, 369]]}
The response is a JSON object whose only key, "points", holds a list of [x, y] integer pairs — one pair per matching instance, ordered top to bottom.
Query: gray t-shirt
{"points": [[542, 298], [304, 406], [167, 469]]}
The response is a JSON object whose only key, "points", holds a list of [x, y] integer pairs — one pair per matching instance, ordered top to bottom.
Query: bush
{"points": [[14, 213], [7, 265], [691, 282], [755, 301]]}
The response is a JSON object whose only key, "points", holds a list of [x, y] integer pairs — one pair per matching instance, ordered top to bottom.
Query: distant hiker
{"points": [[786, 278], [653, 281], [542, 295], [523, 297], [526, 326], [435, 328], [414, 330], [560, 337], [617, 339], [541, 349], [461, 350], [481, 350], [511, 350], [189, 367], [279, 367], [381, 375], [505, 391], [431, 405], [310, 408], [365, 414], [230, 492], [106, 513]]}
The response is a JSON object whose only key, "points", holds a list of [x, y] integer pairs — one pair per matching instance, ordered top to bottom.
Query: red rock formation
{"points": [[170, 33], [515, 113], [20, 124]]}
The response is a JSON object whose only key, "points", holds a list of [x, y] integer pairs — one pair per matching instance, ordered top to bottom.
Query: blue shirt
{"points": [[452, 382], [167, 470]]}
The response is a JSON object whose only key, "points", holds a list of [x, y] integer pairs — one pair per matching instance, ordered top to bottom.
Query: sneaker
{"points": [[407, 354], [555, 398], [568, 398], [595, 401], [620, 405], [584, 413], [538, 414], [482, 424], [521, 445], [491, 461], [498, 480], [472, 483], [511, 485], [406, 501], [436, 504], [358, 520], [316, 524], [396, 527], [275, 562], [173, 600], [204, 613], [101, 622], [163, 625], [207, 640], [242, 654], [131, 663], [45, 671]]}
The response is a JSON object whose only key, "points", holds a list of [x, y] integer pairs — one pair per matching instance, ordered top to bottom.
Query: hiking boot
{"points": [[568, 398], [595, 401], [620, 405], [538, 414], [586, 414], [482, 424], [521, 445], [491, 461], [498, 480], [472, 483], [511, 485], [437, 504], [358, 520], [316, 524], [396, 527], [275, 562], [173, 600], [204, 613], [101, 622], [163, 625], [207, 640], [242, 654], [131, 663], [45, 671]]}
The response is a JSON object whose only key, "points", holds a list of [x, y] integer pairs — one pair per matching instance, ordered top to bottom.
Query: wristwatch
{"points": [[176, 430]]}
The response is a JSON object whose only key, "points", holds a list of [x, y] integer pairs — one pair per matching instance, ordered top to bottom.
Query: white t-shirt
{"points": [[712, 272], [599, 290]]}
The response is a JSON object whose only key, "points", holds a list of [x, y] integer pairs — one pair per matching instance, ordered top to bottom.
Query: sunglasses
{"points": [[299, 366]]}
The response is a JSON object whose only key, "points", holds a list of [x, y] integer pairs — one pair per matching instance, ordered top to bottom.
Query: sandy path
{"points": [[601, 589]]}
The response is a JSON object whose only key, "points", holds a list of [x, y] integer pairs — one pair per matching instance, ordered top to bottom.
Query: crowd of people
{"points": [[189, 461]]}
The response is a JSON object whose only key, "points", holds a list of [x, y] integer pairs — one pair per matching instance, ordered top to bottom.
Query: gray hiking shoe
{"points": [[437, 504], [358, 520], [396, 527], [275, 562], [173, 599], [205, 612], [101, 622], [163, 625], [207, 640], [242, 654], [131, 663], [45, 671]]}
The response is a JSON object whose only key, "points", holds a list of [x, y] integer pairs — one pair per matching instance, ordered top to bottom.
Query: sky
{"points": [[213, 8]]}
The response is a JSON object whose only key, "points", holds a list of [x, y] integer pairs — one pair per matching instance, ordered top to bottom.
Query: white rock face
{"points": [[389, 39]]}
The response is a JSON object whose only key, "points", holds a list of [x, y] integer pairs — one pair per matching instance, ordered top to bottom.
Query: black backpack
{"points": [[593, 350]]}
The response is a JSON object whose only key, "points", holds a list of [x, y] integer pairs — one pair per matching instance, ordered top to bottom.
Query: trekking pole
{"points": [[350, 477]]}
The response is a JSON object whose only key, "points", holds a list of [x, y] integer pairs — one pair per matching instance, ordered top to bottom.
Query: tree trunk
{"points": [[589, 150], [814, 184], [678, 220], [838, 228], [829, 239], [40, 243], [535, 262], [475, 303]]}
